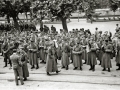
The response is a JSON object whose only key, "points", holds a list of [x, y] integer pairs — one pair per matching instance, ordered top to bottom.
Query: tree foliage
{"points": [[113, 5], [62, 9]]}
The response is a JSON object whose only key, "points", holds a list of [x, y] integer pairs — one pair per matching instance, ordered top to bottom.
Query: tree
{"points": [[113, 6], [89, 7], [26, 8], [12, 10], [62, 10]]}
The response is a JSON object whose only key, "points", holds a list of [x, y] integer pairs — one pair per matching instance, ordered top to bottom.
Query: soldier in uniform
{"points": [[72, 43], [5, 48], [41, 50], [118, 53], [33, 54], [65, 54], [84, 54], [92, 54], [77, 55], [106, 58], [24, 60], [51, 65], [17, 67]]}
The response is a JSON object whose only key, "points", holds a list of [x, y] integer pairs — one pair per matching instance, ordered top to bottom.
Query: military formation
{"points": [[21, 48]]}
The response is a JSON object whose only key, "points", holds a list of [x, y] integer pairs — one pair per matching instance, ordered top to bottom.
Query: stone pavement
{"points": [[66, 79]]}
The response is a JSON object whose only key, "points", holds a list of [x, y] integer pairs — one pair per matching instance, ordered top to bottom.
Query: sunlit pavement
{"points": [[74, 24], [70, 79]]}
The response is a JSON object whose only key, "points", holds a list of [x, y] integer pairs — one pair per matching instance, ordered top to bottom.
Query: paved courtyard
{"points": [[103, 26], [70, 79]]}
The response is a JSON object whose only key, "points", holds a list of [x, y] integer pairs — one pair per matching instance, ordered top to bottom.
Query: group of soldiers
{"points": [[23, 26], [21, 48]]}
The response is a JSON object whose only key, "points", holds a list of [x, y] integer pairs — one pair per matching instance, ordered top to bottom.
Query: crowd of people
{"points": [[22, 26], [22, 47]]}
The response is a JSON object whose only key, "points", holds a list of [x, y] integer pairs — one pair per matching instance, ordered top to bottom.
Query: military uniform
{"points": [[32, 48], [17, 68]]}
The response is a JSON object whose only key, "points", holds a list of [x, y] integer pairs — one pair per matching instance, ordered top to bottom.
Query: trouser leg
{"points": [[5, 60], [10, 62], [16, 75], [20, 75]]}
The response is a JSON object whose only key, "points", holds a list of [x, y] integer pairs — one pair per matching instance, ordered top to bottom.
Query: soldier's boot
{"points": [[42, 61], [100, 63], [5, 64], [37, 66], [63, 66], [32, 67], [67, 67], [90, 67], [118, 67], [75, 68], [81, 68], [93, 68], [104, 69], [108, 69], [57, 71], [48, 73], [25, 78]]}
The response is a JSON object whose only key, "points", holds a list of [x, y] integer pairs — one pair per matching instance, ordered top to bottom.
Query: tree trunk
{"points": [[114, 15], [26, 16], [8, 18], [15, 23], [64, 24]]}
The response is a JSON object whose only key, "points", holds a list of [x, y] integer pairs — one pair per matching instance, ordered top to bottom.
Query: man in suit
{"points": [[17, 66]]}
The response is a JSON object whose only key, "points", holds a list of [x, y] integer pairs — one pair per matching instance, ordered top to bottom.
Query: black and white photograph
{"points": [[59, 44]]}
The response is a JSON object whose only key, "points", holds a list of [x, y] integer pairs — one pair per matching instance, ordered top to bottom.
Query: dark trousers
{"points": [[6, 57]]}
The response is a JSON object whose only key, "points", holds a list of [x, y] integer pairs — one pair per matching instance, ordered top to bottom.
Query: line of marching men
{"points": [[77, 45]]}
